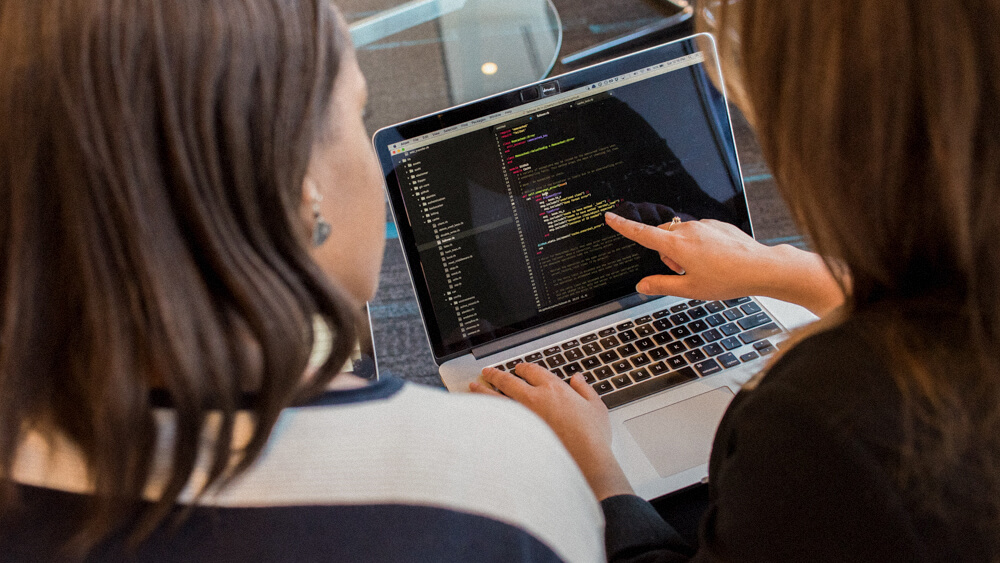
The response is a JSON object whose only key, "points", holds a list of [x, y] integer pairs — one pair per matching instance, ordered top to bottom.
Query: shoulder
{"points": [[420, 446], [810, 454]]}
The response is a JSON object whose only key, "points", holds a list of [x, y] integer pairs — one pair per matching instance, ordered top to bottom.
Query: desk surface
{"points": [[399, 336]]}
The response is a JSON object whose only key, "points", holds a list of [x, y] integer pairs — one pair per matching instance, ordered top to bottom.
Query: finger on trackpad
{"points": [[678, 437]]}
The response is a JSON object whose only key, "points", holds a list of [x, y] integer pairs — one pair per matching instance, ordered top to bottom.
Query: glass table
{"points": [[422, 56]]}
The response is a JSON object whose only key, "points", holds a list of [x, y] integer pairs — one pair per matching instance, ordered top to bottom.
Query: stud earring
{"points": [[321, 228]]}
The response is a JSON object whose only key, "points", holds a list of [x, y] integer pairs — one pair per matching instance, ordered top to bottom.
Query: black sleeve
{"points": [[790, 482], [634, 531]]}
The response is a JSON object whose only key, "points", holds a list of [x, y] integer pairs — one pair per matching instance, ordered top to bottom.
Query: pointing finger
{"points": [[651, 237]]}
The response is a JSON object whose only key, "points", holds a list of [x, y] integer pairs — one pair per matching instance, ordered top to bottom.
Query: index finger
{"points": [[651, 237]]}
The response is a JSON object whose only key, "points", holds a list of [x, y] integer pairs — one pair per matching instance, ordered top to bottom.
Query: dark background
{"points": [[407, 79]]}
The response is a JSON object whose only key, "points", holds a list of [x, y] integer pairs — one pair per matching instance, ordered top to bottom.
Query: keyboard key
{"points": [[695, 302], [735, 302], [715, 307], [678, 308], [750, 308], [697, 313], [733, 314], [679, 319], [643, 320], [715, 320], [754, 321], [662, 324], [625, 326], [698, 326], [730, 329], [645, 330], [606, 332], [680, 332], [761, 332], [627, 335], [711, 335], [588, 338], [662, 338], [694, 341], [610, 342], [731, 343], [570, 344], [644, 344], [761, 344], [591, 348], [676, 348], [713, 349], [552, 350], [627, 350], [767, 350], [574, 354], [659, 354], [695, 356], [749, 356], [533, 357], [608, 357], [640, 360], [728, 360], [555, 361], [676, 362], [513, 363], [590, 363], [621, 366], [500, 367], [708, 367], [659, 368], [570, 369], [603, 372], [558, 373], [640, 375], [589, 377], [621, 381], [603, 387], [649, 387]]}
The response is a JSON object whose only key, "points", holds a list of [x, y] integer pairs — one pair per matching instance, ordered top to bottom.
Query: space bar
{"points": [[640, 390]]}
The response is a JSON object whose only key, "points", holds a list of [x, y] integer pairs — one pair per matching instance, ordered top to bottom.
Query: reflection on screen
{"points": [[509, 219]]}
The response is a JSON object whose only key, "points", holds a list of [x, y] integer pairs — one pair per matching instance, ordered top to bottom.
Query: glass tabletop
{"points": [[422, 56]]}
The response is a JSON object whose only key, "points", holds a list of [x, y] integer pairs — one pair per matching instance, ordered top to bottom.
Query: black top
{"points": [[804, 468]]}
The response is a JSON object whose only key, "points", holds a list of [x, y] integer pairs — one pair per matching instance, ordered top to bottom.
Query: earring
{"points": [[321, 229]]}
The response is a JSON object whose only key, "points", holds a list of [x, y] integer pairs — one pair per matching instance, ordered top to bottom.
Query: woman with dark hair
{"points": [[190, 218], [876, 435]]}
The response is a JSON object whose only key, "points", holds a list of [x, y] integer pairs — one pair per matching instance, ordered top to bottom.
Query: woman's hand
{"points": [[720, 261], [574, 412]]}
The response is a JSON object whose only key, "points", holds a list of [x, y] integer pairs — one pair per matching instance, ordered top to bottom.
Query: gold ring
{"points": [[673, 223]]}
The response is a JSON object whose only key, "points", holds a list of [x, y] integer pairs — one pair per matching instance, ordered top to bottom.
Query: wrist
{"points": [[799, 277], [606, 478]]}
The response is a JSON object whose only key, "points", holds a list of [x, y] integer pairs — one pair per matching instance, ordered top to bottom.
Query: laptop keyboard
{"points": [[636, 358]]}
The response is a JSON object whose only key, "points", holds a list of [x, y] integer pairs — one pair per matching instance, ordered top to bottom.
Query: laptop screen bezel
{"points": [[512, 100]]}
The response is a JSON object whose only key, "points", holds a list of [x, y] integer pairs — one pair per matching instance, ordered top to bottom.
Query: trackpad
{"points": [[679, 436]]}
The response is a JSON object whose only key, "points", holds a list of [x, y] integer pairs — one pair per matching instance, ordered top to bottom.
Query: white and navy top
{"points": [[388, 472]]}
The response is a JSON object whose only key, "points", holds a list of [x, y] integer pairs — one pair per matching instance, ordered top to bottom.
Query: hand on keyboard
{"points": [[575, 412]]}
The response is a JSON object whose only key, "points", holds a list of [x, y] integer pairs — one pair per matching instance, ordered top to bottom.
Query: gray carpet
{"points": [[415, 84]]}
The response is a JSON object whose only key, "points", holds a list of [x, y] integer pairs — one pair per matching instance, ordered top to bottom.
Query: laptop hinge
{"points": [[564, 323]]}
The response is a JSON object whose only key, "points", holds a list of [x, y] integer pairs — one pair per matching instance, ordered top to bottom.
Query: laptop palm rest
{"points": [[679, 437]]}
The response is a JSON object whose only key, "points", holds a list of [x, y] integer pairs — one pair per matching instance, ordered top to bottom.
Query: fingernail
{"points": [[609, 216]]}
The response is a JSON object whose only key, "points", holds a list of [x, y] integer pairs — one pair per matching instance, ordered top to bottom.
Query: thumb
{"points": [[664, 285]]}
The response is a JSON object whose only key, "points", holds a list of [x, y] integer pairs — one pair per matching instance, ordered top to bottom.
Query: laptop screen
{"points": [[505, 211]]}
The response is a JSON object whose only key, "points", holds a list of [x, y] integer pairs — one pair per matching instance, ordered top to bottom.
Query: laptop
{"points": [[499, 205]]}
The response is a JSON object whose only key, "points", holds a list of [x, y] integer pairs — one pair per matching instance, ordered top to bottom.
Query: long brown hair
{"points": [[879, 122], [152, 156]]}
